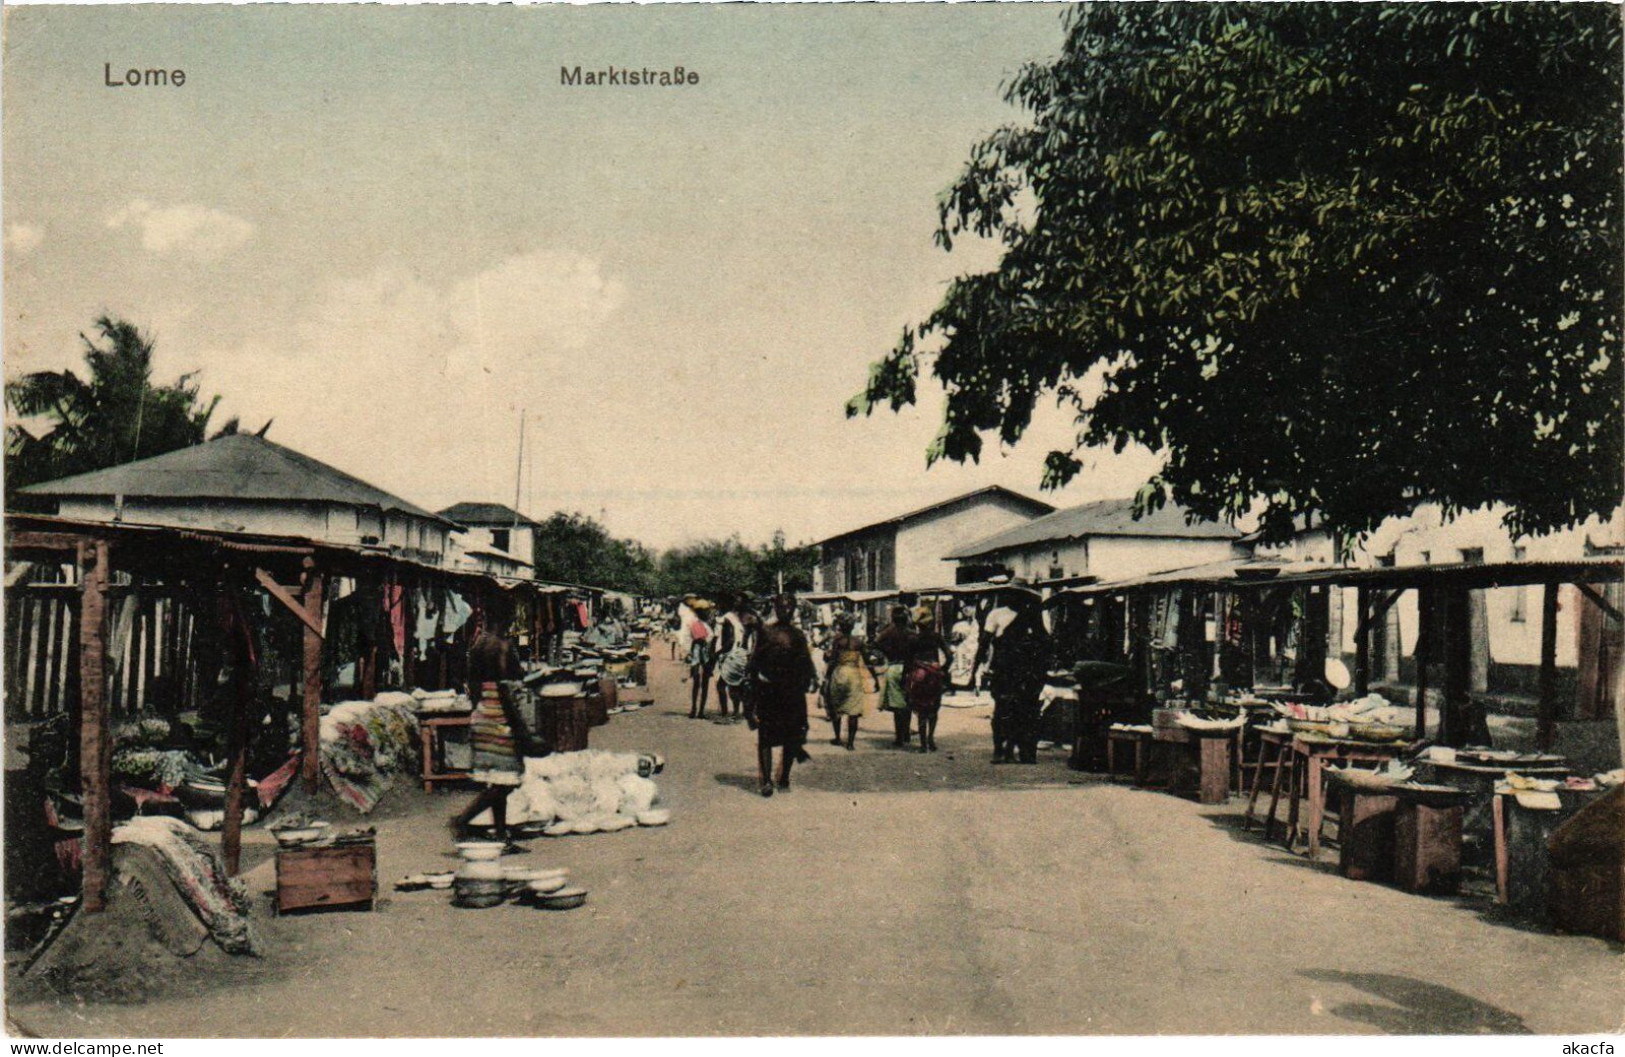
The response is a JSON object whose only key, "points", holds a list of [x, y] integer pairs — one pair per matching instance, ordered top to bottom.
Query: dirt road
{"points": [[890, 893]]}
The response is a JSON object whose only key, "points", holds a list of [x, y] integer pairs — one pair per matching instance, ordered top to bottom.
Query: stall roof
{"points": [[51, 533], [1243, 572], [855, 597]]}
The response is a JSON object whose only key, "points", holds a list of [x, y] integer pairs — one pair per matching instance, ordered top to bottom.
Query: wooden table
{"points": [[431, 729], [1311, 754], [1480, 826], [1534, 869]]}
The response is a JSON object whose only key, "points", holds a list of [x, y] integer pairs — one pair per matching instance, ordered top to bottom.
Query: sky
{"points": [[391, 231]]}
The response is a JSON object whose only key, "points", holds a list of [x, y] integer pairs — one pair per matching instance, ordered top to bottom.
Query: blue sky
{"points": [[391, 228]]}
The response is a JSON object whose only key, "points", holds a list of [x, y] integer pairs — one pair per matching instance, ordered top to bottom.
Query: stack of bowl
{"points": [[479, 882]]}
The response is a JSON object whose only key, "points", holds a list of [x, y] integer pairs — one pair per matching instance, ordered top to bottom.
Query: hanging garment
{"points": [[395, 611], [458, 612]]}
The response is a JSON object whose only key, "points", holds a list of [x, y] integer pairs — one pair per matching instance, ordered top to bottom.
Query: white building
{"points": [[244, 483], [494, 527], [1102, 540], [910, 552]]}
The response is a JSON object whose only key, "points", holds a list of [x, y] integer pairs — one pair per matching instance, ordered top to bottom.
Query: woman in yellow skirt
{"points": [[851, 682]]}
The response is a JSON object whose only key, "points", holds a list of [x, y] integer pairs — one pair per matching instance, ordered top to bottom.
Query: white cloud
{"points": [[194, 230], [23, 238], [529, 308], [403, 380]]}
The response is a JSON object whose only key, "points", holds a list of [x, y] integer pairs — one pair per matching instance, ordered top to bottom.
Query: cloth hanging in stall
{"points": [[427, 604], [395, 611], [458, 612]]}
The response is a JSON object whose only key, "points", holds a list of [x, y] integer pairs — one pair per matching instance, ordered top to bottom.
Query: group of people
{"points": [[909, 666], [763, 670], [906, 672]]}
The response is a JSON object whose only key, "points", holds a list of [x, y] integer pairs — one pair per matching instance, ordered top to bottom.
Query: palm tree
{"points": [[115, 416]]}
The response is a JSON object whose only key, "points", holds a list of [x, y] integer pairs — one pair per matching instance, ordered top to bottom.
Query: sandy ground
{"points": [[889, 893]]}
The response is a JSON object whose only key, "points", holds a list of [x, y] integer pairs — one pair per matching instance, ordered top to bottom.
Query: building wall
{"points": [[328, 522], [521, 540], [923, 543], [838, 557], [1114, 557]]}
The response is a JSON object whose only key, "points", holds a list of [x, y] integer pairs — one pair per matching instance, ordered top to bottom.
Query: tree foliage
{"points": [[1328, 258], [114, 415], [574, 548], [717, 568]]}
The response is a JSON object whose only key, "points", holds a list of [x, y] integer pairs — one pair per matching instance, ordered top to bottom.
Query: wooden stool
{"points": [[1139, 738], [1276, 746], [1213, 757], [1365, 833], [1427, 843]]}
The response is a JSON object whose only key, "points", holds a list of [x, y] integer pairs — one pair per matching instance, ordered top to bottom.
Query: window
{"points": [[499, 539], [1473, 555], [874, 570], [1519, 613]]}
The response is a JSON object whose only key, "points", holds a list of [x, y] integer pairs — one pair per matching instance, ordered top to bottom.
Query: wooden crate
{"points": [[341, 876]]}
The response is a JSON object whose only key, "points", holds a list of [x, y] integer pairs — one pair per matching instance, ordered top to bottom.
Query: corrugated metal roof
{"points": [[235, 467], [1038, 506], [486, 515], [1109, 517], [1264, 571]]}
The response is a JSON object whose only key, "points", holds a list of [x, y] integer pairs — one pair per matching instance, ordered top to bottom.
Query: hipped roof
{"points": [[240, 466], [1036, 506], [486, 515], [1109, 517]]}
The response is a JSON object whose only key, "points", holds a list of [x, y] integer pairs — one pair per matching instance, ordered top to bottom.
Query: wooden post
{"points": [[1362, 641], [1458, 645], [1424, 650], [242, 681], [310, 714], [1547, 714], [95, 750]]}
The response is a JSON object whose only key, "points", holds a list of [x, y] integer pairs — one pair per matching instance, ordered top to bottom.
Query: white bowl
{"points": [[658, 816], [615, 824], [586, 825], [558, 829], [302, 835], [480, 850], [480, 870], [532, 873], [440, 881], [544, 885]]}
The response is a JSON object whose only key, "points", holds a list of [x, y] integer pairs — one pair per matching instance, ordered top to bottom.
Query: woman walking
{"points": [[735, 640], [896, 642], [702, 660], [781, 674], [924, 677], [851, 680], [498, 732]]}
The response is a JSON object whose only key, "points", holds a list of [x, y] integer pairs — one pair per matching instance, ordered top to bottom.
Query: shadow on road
{"points": [[877, 766], [1417, 1007]]}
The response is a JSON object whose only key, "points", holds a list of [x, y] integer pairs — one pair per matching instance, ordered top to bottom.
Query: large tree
{"points": [[1328, 258], [114, 415], [574, 548], [718, 568]]}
